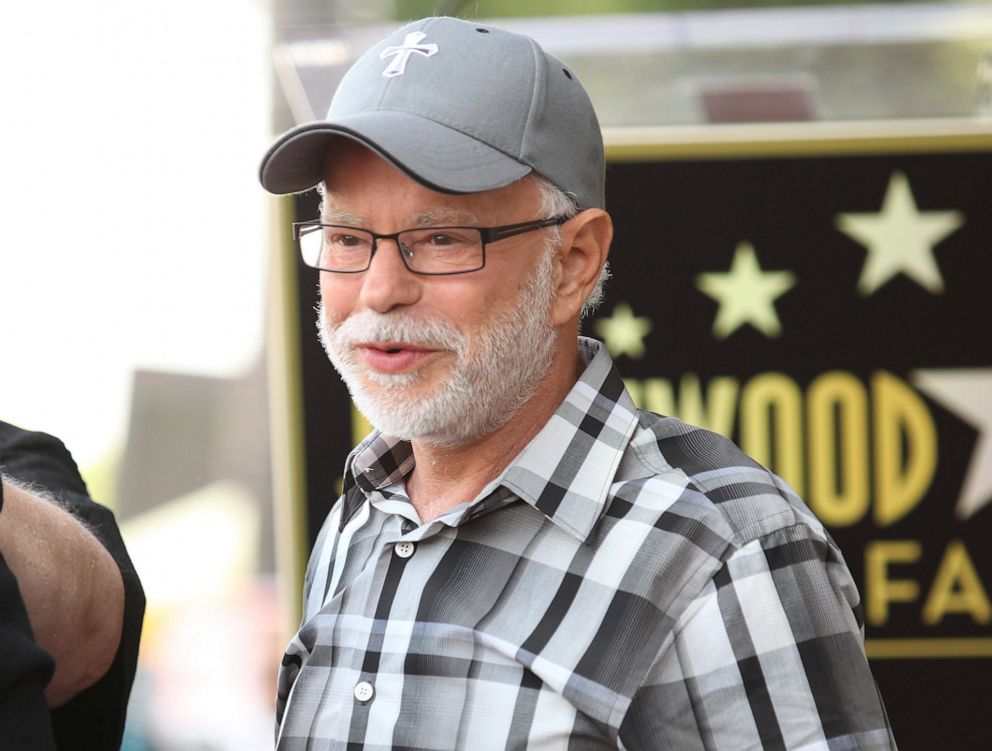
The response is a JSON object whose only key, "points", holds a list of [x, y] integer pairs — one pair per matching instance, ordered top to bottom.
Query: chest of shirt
{"points": [[504, 600]]}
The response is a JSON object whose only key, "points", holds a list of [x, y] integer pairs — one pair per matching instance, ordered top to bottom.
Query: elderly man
{"points": [[521, 558]]}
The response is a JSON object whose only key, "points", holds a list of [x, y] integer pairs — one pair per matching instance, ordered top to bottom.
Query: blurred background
{"points": [[136, 250]]}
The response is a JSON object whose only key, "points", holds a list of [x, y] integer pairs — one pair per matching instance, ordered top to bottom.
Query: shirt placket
{"points": [[401, 540]]}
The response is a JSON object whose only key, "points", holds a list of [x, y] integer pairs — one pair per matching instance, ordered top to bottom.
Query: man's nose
{"points": [[388, 283]]}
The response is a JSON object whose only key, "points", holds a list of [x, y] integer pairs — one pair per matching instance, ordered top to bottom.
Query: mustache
{"points": [[370, 326]]}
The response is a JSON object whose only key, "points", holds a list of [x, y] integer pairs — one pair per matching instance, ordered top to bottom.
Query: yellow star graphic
{"points": [[900, 238], [746, 294], [623, 332]]}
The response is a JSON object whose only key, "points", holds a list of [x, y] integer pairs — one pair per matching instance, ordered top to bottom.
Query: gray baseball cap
{"points": [[459, 106]]}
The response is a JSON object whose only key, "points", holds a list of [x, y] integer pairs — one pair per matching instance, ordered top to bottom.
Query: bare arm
{"points": [[71, 587]]}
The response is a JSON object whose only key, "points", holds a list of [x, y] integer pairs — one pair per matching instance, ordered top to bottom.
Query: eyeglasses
{"points": [[427, 250]]}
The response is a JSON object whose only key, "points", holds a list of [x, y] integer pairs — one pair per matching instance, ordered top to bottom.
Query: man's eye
{"points": [[441, 239], [345, 241]]}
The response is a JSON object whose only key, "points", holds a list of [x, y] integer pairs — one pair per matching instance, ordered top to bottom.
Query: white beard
{"points": [[496, 371]]}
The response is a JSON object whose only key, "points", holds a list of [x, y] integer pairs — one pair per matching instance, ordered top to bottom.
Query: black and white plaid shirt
{"points": [[629, 581]]}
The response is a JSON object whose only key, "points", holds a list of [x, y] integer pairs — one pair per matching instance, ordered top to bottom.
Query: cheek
{"points": [[338, 297], [475, 314]]}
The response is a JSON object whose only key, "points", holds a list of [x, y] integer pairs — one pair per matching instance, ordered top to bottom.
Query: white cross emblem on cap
{"points": [[403, 52]]}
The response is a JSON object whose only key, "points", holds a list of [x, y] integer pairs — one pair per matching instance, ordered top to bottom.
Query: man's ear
{"points": [[585, 244]]}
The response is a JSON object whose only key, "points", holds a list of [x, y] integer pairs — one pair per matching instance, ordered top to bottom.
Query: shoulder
{"points": [[688, 472], [316, 579]]}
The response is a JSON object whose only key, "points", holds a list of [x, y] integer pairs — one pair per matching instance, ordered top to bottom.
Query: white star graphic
{"points": [[900, 238], [746, 294], [623, 332], [968, 394]]}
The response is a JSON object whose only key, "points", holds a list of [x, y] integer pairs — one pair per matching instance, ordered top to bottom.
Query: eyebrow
{"points": [[331, 216], [438, 217]]}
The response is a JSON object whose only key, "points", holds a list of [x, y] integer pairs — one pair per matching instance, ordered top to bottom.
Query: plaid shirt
{"points": [[629, 581]]}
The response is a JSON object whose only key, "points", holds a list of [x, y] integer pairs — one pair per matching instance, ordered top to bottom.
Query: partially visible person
{"points": [[71, 604]]}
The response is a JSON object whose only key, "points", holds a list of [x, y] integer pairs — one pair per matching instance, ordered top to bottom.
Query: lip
{"points": [[393, 357]]}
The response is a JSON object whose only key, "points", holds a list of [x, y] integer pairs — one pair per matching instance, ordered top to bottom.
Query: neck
{"points": [[446, 476]]}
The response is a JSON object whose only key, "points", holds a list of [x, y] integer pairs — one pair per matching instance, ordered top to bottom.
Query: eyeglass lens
{"points": [[432, 250]]}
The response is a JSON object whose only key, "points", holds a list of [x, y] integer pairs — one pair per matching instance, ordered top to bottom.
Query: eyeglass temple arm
{"points": [[299, 227], [518, 229]]}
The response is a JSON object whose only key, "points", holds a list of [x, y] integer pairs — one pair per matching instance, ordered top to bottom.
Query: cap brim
{"points": [[435, 155]]}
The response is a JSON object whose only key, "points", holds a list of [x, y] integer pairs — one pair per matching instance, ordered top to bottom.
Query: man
{"points": [[521, 558], [71, 604]]}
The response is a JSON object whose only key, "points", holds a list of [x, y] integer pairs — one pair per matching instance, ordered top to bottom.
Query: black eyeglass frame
{"points": [[487, 234]]}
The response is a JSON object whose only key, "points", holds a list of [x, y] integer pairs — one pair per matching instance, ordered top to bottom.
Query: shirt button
{"points": [[404, 549], [364, 691]]}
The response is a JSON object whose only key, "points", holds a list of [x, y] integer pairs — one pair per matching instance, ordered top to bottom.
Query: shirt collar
{"points": [[565, 471]]}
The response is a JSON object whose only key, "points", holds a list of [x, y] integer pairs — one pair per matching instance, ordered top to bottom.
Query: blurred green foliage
{"points": [[406, 9]]}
